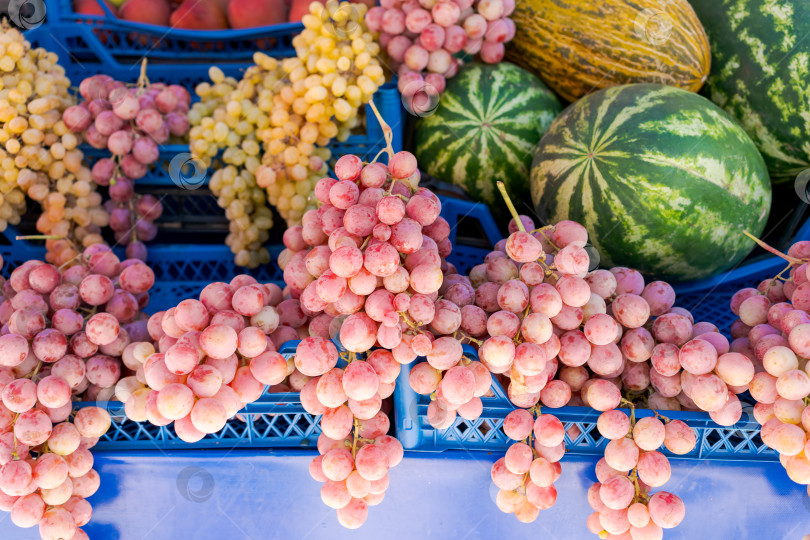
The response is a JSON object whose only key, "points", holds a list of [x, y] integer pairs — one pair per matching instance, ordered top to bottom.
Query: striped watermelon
{"points": [[760, 74], [489, 119], [664, 180]]}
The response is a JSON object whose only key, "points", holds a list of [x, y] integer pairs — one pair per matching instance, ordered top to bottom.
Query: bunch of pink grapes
{"points": [[422, 37], [131, 123], [132, 217], [367, 267], [83, 319], [773, 331], [555, 333], [558, 334], [63, 335], [214, 355], [455, 383], [353, 462], [631, 467], [525, 476]]}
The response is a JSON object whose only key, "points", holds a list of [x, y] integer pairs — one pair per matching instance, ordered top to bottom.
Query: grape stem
{"points": [[143, 80], [387, 132], [378, 156], [510, 206], [132, 219], [542, 230], [39, 237], [792, 260], [778, 277], [90, 313], [410, 322], [460, 335], [34, 373], [630, 405], [661, 417], [355, 437], [531, 446], [14, 453], [634, 478]]}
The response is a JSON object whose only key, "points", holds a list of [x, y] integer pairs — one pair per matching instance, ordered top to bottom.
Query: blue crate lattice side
{"points": [[739, 442]]}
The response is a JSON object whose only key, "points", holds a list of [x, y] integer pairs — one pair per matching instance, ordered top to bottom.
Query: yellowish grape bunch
{"points": [[335, 72], [228, 118], [276, 122], [294, 140], [206, 141], [39, 154], [246, 207]]}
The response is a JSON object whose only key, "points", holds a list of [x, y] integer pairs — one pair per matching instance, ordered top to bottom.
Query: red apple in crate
{"points": [[223, 3], [92, 7], [298, 9], [146, 11], [252, 13], [200, 15]]}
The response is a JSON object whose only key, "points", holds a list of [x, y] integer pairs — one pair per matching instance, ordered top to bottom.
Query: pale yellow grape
{"points": [[279, 114], [37, 150]]}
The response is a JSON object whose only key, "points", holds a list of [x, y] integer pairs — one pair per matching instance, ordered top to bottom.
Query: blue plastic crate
{"points": [[118, 41], [80, 60], [181, 271], [709, 300], [278, 421], [738, 442]]}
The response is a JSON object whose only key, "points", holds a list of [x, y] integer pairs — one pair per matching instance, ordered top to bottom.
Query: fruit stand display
{"points": [[486, 266]]}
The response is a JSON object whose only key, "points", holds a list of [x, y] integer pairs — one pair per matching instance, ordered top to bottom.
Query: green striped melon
{"points": [[761, 74], [485, 128], [664, 180]]}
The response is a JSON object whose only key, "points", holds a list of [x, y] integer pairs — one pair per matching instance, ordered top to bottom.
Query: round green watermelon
{"points": [[759, 74], [485, 128], [663, 179]]}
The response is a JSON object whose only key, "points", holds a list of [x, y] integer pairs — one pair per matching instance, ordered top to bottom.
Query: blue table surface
{"points": [[254, 494]]}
